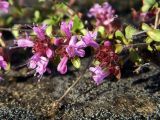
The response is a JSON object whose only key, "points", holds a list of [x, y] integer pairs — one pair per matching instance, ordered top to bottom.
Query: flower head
{"points": [[4, 5], [104, 14], [144, 16], [66, 28], [40, 31], [89, 39], [24, 42], [41, 44], [74, 50], [3, 63], [39, 63], [108, 63], [42, 65], [62, 66], [98, 74]]}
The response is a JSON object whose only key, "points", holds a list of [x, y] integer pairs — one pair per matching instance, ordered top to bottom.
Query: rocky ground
{"points": [[133, 97]]}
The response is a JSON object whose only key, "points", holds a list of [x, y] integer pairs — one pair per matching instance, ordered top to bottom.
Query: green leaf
{"points": [[11, 2], [147, 4], [61, 6], [37, 16], [9, 20], [48, 22], [77, 23], [146, 27], [15, 30], [101, 30], [49, 31], [83, 31], [129, 32], [154, 34], [110, 36], [120, 36], [148, 40], [157, 47], [118, 48], [149, 48], [76, 62], [96, 62]]}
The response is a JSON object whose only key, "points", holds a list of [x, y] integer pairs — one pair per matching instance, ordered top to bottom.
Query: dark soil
{"points": [[135, 97]]}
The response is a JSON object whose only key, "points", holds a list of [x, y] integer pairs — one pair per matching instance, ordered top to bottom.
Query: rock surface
{"points": [[134, 97]]}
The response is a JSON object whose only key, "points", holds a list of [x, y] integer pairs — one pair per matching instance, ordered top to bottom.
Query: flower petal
{"points": [[4, 6], [66, 28], [40, 31], [73, 40], [24, 43], [80, 52], [49, 53], [42, 65], [62, 66], [98, 74]]}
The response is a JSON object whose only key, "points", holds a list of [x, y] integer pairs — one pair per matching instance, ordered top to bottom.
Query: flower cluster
{"points": [[4, 5], [104, 15], [144, 16], [69, 46], [41, 47], [46, 49], [107, 63]]}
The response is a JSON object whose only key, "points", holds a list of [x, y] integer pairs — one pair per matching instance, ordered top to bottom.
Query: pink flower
{"points": [[4, 5], [104, 14], [66, 28], [40, 31], [89, 40], [58, 41], [24, 43], [107, 43], [41, 45], [74, 50], [49, 53], [33, 61], [3, 63], [39, 63], [42, 65], [62, 66], [98, 74]]}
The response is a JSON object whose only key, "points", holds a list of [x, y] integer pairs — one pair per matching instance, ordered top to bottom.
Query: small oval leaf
{"points": [[146, 27], [154, 34], [118, 48], [76, 62]]}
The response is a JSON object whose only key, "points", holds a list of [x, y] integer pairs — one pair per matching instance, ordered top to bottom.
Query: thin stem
{"points": [[157, 19], [18, 29], [139, 33], [2, 43], [135, 45], [75, 83], [69, 89]]}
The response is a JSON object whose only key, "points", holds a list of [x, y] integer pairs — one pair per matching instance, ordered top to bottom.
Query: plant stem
{"points": [[157, 19], [18, 29], [2, 43], [135, 45], [75, 83], [69, 89]]}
